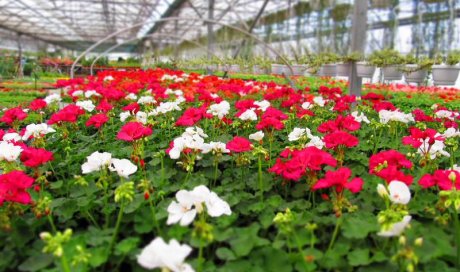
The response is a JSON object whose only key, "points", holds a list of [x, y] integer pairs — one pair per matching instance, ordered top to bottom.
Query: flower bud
{"points": [[382, 191], [402, 240], [419, 241]]}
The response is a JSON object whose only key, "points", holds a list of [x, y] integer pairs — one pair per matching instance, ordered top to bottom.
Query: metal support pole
{"points": [[251, 28], [210, 31], [358, 42], [20, 72]]}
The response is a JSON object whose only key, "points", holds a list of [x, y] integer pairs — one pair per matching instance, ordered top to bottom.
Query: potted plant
{"points": [[380, 3], [340, 12], [390, 61], [328, 62], [262, 65], [344, 67], [365, 69], [416, 69], [447, 73]]}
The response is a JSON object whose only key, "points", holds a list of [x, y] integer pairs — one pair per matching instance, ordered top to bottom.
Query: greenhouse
{"points": [[229, 135]]}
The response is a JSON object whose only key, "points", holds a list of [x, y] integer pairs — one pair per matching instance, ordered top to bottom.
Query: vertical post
{"points": [[210, 31], [358, 43], [176, 47], [20, 72]]}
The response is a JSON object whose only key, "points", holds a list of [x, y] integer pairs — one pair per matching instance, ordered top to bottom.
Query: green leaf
{"points": [[358, 226], [127, 245], [225, 254], [98, 256], [359, 257], [36, 262]]}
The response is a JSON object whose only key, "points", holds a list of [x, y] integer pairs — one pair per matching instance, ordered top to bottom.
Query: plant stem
{"points": [[162, 163], [216, 164], [259, 175], [154, 218], [50, 220], [93, 221], [117, 227], [336, 232], [457, 236], [299, 248], [200, 256], [65, 263]]}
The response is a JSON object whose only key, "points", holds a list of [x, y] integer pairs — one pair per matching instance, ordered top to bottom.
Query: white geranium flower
{"points": [[108, 78], [77, 93], [90, 93], [131, 96], [53, 98], [146, 100], [319, 100], [87, 105], [263, 105], [307, 105], [165, 107], [219, 110], [249, 114], [446, 114], [124, 115], [387, 116], [141, 117], [360, 117], [37, 131], [195, 131], [451, 132], [298, 133], [257, 136], [12, 137], [316, 142], [215, 147], [434, 150], [9, 152], [96, 161], [123, 167], [456, 167], [399, 193], [190, 203], [216, 207], [397, 228], [159, 254]]}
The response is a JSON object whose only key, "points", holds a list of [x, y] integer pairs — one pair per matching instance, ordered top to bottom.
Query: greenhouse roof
{"points": [[76, 24]]}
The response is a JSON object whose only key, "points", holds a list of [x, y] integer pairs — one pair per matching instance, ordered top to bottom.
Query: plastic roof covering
{"points": [[76, 24]]}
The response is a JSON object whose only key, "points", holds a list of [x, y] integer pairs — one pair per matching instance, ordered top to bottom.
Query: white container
{"points": [[277, 69], [343, 69], [328, 70], [365, 70], [392, 72], [445, 74], [417, 76]]}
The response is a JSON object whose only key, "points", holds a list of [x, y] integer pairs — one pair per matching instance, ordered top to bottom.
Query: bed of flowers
{"points": [[158, 169]]}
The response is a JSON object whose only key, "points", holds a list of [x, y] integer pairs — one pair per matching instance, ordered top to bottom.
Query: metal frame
{"points": [[169, 19], [179, 38]]}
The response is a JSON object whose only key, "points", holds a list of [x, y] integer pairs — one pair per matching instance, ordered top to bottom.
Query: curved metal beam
{"points": [[175, 19], [151, 35]]}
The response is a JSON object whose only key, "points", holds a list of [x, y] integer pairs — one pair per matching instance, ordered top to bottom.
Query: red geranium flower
{"points": [[37, 104], [104, 106], [133, 107], [69, 113], [12, 115], [97, 120], [340, 123], [132, 131], [418, 136], [338, 138], [239, 144], [34, 157], [293, 164], [388, 164], [444, 179], [339, 180], [13, 187]]}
